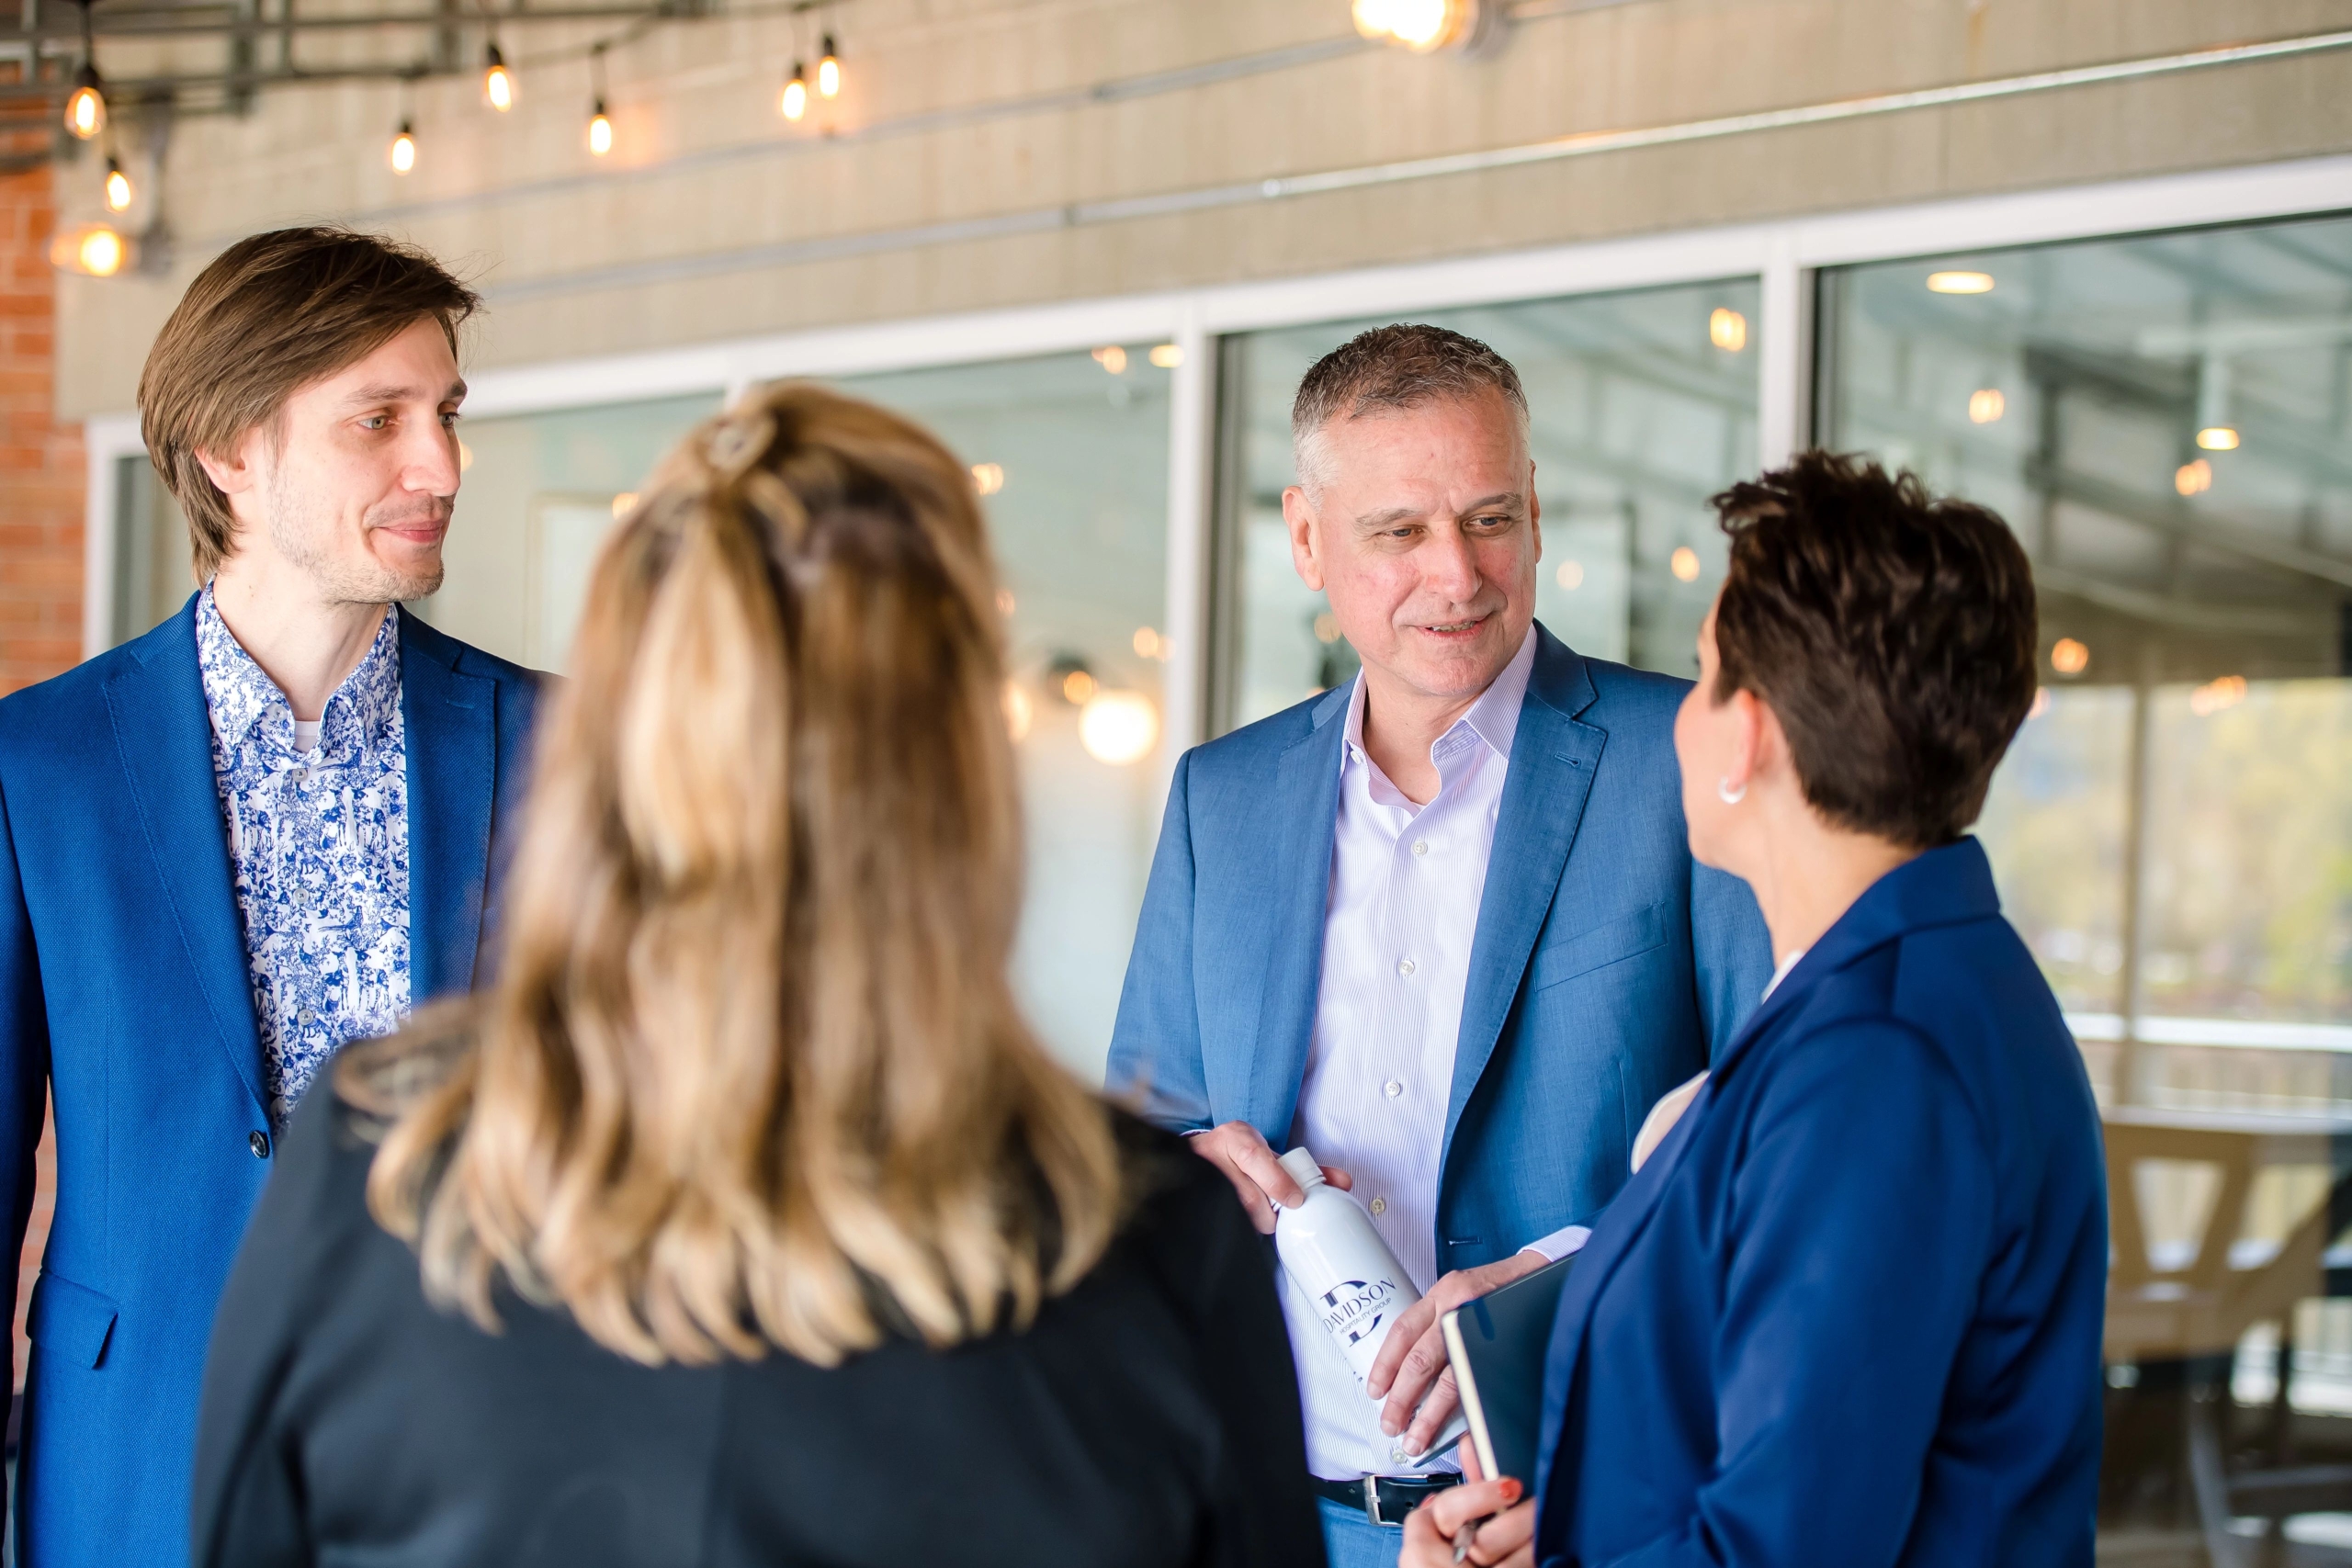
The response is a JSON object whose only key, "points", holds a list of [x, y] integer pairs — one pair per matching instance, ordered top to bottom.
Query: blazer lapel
{"points": [[451, 721], [163, 733], [1552, 762], [1299, 889], [1612, 1239]]}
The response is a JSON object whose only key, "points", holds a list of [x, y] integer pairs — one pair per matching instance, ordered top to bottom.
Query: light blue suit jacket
{"points": [[1605, 965], [123, 991]]}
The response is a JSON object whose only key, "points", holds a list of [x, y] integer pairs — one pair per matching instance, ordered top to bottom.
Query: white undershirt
{"points": [[306, 734]]}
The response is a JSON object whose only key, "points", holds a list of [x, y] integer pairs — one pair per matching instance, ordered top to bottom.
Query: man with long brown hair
{"points": [[264, 828]]}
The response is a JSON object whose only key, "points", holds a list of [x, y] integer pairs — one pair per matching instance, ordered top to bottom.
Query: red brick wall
{"points": [[41, 480]]}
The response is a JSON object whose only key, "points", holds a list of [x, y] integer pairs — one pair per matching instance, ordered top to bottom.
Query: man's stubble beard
{"points": [[364, 582]]}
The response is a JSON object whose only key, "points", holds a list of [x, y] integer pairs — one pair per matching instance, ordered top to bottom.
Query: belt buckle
{"points": [[1372, 1501]]}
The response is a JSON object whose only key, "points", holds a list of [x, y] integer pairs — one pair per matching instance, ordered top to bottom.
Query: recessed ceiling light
{"points": [[1961, 282]]}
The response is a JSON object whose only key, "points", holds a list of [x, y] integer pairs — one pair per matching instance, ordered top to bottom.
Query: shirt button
{"points": [[298, 774], [1421, 846], [1404, 966], [1393, 1088], [259, 1144], [1379, 1205]]}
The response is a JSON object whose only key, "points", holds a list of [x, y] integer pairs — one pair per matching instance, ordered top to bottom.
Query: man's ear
{"points": [[237, 472], [1534, 509], [1299, 516]]}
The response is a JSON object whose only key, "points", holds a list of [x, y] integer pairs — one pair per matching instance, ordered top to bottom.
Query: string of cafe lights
{"points": [[500, 86], [100, 249]]}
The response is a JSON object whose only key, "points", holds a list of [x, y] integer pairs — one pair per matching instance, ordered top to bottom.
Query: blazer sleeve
{"points": [[1730, 952], [24, 1053], [1155, 1064], [1860, 1220], [247, 1510]]}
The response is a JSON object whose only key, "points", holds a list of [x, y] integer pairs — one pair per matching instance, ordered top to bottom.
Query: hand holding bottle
{"points": [[1258, 1179]]}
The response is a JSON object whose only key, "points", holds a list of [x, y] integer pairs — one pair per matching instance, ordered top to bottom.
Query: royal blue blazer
{"points": [[1604, 965], [123, 993], [1849, 1311]]}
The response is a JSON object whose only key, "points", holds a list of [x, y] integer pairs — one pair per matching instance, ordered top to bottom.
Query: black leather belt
{"points": [[1384, 1500]]}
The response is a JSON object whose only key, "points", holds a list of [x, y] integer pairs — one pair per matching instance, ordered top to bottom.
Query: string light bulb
{"points": [[1420, 25], [829, 71], [497, 81], [796, 94], [85, 106], [86, 110], [600, 124], [403, 150], [119, 192], [93, 250]]}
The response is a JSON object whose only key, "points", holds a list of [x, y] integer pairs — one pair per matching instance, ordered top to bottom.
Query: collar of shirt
{"points": [[242, 697], [1493, 718]]}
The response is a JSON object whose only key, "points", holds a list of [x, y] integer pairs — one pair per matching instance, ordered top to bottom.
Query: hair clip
{"points": [[737, 444]]}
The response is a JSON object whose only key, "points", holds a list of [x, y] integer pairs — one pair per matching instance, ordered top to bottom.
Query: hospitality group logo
{"points": [[1354, 1309]]}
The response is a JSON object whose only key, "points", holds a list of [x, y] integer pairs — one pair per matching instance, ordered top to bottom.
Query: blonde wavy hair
{"points": [[751, 1072]]}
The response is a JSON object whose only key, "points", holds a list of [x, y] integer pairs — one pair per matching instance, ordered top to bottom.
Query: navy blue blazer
{"points": [[1604, 965], [123, 992], [1849, 1311]]}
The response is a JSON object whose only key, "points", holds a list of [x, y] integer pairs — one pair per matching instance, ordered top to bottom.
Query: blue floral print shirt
{"points": [[318, 843]]}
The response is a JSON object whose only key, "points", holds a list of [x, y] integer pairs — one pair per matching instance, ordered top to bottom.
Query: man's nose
{"points": [[430, 464], [1449, 565]]}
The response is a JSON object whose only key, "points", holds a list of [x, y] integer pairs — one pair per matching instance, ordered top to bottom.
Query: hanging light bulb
{"points": [[1419, 25], [829, 71], [497, 81], [796, 94], [85, 106], [86, 111], [600, 125], [403, 152], [117, 187], [94, 250]]}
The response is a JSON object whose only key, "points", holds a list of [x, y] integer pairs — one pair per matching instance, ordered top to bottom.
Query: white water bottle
{"points": [[1333, 1253]]}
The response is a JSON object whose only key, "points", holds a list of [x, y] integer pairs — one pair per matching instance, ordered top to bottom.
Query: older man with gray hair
{"points": [[1441, 925]]}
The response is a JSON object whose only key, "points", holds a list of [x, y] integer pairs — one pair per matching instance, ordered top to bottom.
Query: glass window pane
{"points": [[1641, 406], [2166, 423], [1071, 453], [539, 493], [152, 577]]}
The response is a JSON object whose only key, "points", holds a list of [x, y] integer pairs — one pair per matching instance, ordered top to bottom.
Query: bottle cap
{"points": [[1303, 1168]]}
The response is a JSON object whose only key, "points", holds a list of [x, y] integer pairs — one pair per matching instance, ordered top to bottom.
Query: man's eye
{"points": [[449, 419], [376, 422]]}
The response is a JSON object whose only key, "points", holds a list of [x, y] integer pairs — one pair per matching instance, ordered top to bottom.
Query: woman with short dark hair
{"points": [[1848, 1310]]}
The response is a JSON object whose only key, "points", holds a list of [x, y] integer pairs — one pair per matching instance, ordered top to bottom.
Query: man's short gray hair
{"points": [[1406, 365]]}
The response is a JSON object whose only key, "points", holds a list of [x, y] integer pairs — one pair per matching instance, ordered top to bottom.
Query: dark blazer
{"points": [[1604, 966], [124, 993], [1849, 1311], [1148, 1417]]}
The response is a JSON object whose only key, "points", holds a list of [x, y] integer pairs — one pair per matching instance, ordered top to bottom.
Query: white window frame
{"points": [[1782, 254]]}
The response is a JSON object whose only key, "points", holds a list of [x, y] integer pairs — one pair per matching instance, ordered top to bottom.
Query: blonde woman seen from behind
{"points": [[741, 1219]]}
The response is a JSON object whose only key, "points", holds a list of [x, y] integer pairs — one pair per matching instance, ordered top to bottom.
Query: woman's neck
{"points": [[1807, 873]]}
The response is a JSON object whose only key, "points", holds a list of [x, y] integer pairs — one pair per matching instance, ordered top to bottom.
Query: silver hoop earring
{"points": [[1728, 796]]}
